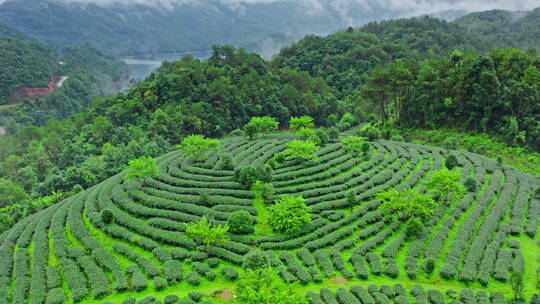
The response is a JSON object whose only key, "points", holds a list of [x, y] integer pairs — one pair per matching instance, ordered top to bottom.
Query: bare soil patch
{"points": [[339, 280], [227, 295]]}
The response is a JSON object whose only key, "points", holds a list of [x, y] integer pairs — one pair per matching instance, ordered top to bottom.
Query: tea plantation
{"points": [[351, 251]]}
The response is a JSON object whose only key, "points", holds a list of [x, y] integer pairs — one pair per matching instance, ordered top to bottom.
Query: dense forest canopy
{"points": [[178, 26], [142, 27], [504, 28], [345, 58], [24, 62], [429, 73], [496, 93], [211, 97]]}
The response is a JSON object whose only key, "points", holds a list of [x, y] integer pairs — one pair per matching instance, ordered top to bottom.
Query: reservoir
{"points": [[142, 66]]}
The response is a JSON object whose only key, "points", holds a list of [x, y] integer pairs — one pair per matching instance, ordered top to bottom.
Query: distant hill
{"points": [[141, 27], [504, 28], [345, 57], [23, 62], [29, 69]]}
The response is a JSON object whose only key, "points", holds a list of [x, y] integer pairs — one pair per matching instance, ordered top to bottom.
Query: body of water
{"points": [[142, 66]]}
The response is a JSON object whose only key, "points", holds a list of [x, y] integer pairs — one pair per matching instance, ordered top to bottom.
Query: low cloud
{"points": [[318, 6], [346, 9]]}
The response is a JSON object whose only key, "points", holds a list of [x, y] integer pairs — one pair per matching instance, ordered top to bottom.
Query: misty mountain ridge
{"points": [[125, 27]]}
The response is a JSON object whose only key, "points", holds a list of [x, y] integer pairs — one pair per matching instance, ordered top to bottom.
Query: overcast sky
{"points": [[409, 7]]}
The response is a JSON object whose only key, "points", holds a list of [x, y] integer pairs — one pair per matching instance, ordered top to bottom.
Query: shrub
{"points": [[347, 121], [260, 125], [370, 132], [333, 133], [323, 135], [451, 143], [198, 146], [301, 150], [226, 162], [451, 162], [141, 169], [247, 176], [470, 184], [265, 191], [204, 199], [289, 214], [107, 216], [240, 222], [414, 227], [206, 232], [179, 253], [162, 254], [198, 256], [255, 260], [213, 262], [375, 263], [359, 266], [429, 266], [200, 268], [391, 269], [173, 271], [229, 273], [210, 275], [193, 278], [138, 280], [159, 283], [263, 286], [363, 295], [55, 296], [195, 296], [345, 296], [435, 297], [171, 299], [130, 300], [147, 300]]}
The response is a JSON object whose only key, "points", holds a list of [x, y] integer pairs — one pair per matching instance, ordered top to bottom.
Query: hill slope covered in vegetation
{"points": [[504, 28], [25, 62], [124, 238]]}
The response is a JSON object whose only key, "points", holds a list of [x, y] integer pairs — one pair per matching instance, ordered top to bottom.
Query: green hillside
{"points": [[504, 28], [345, 58], [24, 62], [67, 253]]}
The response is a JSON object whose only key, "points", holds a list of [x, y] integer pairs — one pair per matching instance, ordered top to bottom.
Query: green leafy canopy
{"points": [[198, 146], [301, 150], [142, 168], [407, 204], [289, 214], [206, 232]]}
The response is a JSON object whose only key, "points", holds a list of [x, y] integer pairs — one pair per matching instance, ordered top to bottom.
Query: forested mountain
{"points": [[140, 27], [147, 28], [504, 28], [344, 58], [24, 62], [385, 63]]}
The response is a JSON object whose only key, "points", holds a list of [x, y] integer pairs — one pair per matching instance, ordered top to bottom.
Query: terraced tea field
{"points": [[67, 254]]}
